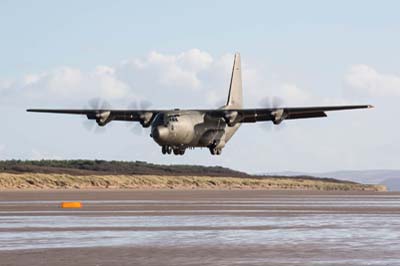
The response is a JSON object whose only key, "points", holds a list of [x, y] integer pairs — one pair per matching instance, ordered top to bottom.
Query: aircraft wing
{"points": [[277, 115], [103, 116], [231, 116]]}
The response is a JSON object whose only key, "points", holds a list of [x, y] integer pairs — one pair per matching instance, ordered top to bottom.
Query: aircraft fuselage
{"points": [[178, 130]]}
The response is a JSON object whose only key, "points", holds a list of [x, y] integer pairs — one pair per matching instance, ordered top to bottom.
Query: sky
{"points": [[178, 54]]}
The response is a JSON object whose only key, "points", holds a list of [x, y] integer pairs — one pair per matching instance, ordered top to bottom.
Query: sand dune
{"points": [[66, 181]]}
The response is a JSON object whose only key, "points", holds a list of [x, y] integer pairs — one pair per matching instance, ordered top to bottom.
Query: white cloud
{"points": [[194, 60], [104, 70], [177, 71], [192, 77], [164, 78], [366, 80], [64, 84], [292, 94]]}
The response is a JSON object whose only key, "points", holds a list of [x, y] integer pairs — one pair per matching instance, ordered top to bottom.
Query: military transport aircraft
{"points": [[177, 130]]}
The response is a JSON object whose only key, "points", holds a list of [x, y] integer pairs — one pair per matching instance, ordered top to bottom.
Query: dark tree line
{"points": [[101, 167]]}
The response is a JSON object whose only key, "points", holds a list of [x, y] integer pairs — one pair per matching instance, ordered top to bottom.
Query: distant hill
{"points": [[99, 167], [389, 178]]}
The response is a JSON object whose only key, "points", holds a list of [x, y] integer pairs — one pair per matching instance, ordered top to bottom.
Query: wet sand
{"points": [[200, 228]]}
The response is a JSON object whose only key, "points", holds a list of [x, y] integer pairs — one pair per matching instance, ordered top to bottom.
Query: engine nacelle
{"points": [[278, 116], [102, 118], [231, 118], [145, 119]]}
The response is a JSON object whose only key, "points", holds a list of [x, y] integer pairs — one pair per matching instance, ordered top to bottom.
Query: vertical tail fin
{"points": [[235, 97]]}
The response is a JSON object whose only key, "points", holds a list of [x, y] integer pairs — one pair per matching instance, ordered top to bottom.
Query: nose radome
{"points": [[160, 133]]}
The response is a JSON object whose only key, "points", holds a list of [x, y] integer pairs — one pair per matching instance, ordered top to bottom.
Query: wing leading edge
{"points": [[295, 112], [277, 115], [104, 116], [232, 116]]}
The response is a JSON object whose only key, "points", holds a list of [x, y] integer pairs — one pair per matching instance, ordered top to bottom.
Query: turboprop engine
{"points": [[278, 116], [102, 118], [231, 118], [145, 119]]}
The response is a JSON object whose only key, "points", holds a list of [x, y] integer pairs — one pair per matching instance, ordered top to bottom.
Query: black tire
{"points": [[212, 151]]}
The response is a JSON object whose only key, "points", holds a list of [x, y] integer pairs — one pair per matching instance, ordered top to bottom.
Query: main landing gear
{"points": [[213, 148], [168, 150], [181, 150], [215, 151]]}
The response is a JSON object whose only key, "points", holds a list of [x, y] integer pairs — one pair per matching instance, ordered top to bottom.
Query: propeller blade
{"points": [[277, 102], [96, 103], [272, 103], [145, 104], [88, 124], [136, 128], [100, 130]]}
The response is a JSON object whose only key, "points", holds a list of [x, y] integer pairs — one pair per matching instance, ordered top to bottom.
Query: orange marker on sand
{"points": [[71, 205]]}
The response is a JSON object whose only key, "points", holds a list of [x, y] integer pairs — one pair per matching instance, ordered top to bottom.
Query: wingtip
{"points": [[370, 106]]}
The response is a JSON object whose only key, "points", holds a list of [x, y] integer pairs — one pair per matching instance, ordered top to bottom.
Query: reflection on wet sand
{"points": [[204, 228]]}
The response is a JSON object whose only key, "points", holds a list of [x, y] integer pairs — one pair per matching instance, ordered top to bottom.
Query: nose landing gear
{"points": [[177, 150]]}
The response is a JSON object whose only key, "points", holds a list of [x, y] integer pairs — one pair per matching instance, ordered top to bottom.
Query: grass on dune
{"points": [[66, 181]]}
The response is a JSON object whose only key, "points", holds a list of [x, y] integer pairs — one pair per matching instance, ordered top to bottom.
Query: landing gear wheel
{"points": [[164, 149], [169, 149], [179, 151], [212, 151], [215, 151]]}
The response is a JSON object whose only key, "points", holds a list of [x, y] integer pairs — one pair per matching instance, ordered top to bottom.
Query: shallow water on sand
{"points": [[260, 230]]}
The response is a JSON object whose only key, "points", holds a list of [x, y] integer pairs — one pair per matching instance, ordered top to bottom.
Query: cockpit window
{"points": [[173, 118], [159, 119], [164, 119]]}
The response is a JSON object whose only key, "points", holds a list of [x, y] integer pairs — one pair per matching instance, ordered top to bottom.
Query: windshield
{"points": [[173, 118], [159, 119]]}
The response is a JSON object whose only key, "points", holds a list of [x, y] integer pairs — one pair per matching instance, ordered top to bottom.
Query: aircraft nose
{"points": [[159, 133]]}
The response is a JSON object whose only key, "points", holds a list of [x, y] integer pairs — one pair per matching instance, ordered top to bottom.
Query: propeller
{"points": [[272, 103], [90, 124], [136, 127]]}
